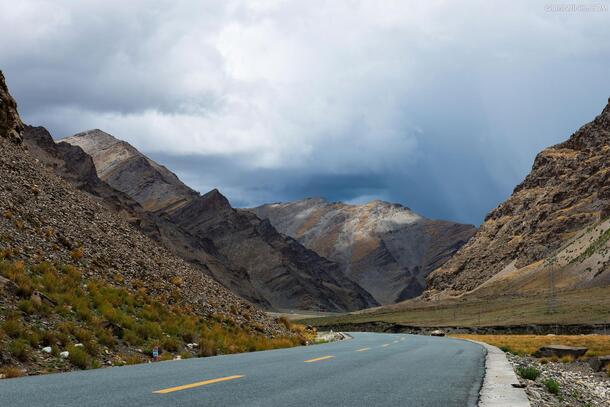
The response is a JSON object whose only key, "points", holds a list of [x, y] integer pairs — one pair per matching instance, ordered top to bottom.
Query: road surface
{"points": [[369, 370]]}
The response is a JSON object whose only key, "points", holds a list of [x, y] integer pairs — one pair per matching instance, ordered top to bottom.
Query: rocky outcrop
{"points": [[11, 126], [554, 222], [386, 248], [250, 256]]}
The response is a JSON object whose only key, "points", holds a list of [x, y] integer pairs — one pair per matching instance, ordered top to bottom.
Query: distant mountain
{"points": [[556, 220], [386, 248], [258, 262]]}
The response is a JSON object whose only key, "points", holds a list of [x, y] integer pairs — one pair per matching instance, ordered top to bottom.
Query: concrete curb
{"points": [[497, 389]]}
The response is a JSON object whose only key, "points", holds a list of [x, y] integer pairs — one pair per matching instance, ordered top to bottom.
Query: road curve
{"points": [[369, 370]]}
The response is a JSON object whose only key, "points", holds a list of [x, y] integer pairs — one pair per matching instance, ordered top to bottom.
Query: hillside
{"points": [[554, 227], [386, 248], [258, 262], [74, 272]]}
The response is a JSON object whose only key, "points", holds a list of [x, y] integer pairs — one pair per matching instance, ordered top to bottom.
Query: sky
{"points": [[438, 105]]}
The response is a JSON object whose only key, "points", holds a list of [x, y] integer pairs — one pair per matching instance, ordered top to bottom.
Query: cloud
{"points": [[435, 104]]}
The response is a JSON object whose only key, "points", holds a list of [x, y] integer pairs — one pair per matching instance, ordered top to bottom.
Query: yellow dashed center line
{"points": [[363, 350], [318, 359], [198, 384]]}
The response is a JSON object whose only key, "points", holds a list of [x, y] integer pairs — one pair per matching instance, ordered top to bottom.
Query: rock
{"points": [[437, 332], [79, 345], [192, 345], [47, 349], [560, 351], [64, 354], [599, 363]]}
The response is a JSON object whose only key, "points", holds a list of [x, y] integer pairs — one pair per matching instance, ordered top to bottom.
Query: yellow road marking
{"points": [[385, 345], [363, 350], [318, 359], [190, 386]]}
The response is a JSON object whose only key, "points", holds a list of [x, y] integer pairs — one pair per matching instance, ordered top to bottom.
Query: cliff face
{"points": [[554, 220], [386, 248], [257, 262]]}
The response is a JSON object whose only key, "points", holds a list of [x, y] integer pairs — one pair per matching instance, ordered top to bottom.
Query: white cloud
{"points": [[333, 87]]}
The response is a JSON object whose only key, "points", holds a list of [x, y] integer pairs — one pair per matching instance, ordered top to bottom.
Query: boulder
{"points": [[437, 332], [47, 349], [560, 351], [64, 354], [599, 363]]}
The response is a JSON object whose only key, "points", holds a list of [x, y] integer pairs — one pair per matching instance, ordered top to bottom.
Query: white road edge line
{"points": [[497, 389]]}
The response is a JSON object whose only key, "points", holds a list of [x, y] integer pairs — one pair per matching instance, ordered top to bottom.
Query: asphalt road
{"points": [[368, 370]]}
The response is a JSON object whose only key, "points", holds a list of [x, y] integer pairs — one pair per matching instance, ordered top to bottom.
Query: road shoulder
{"points": [[497, 389]]}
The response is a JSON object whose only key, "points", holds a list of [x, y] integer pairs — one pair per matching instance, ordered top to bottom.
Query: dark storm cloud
{"points": [[440, 106]]}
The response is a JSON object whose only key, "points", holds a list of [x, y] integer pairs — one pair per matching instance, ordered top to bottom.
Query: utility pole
{"points": [[552, 305]]}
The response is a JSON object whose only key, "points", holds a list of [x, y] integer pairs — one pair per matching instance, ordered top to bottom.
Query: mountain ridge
{"points": [[555, 221], [385, 247], [272, 262]]}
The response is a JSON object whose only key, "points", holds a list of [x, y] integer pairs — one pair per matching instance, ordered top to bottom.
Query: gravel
{"points": [[579, 385]]}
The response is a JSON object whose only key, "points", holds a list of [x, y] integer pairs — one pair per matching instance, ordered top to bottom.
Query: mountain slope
{"points": [[77, 167], [556, 221], [386, 248], [277, 268], [74, 271]]}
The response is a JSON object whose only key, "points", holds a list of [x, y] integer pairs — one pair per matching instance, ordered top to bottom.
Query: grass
{"points": [[585, 306], [99, 316], [597, 345], [79, 357], [10, 372], [529, 373], [551, 385]]}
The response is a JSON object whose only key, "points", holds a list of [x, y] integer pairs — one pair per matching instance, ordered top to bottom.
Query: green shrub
{"points": [[26, 306], [12, 327], [148, 330], [33, 337], [105, 337], [49, 338], [132, 338], [170, 344], [92, 347], [19, 349], [166, 356], [79, 357], [134, 359], [529, 373], [551, 385]]}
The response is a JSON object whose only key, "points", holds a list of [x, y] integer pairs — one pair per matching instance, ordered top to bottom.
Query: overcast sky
{"points": [[437, 105]]}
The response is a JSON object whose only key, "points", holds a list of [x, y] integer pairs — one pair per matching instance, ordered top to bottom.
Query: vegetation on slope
{"points": [[585, 306], [98, 323], [527, 345]]}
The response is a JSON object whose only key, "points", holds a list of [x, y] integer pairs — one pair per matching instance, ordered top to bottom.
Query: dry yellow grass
{"points": [[527, 344]]}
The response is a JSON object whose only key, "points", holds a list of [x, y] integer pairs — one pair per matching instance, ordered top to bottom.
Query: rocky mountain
{"points": [[74, 165], [554, 225], [386, 248], [258, 262], [73, 270]]}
